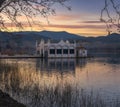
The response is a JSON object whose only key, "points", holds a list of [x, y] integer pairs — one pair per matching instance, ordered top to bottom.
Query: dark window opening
{"points": [[52, 51], [59, 51], [65, 51], [72, 51]]}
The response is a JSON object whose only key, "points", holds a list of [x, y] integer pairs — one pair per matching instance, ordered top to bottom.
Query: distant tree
{"points": [[13, 9], [110, 15]]}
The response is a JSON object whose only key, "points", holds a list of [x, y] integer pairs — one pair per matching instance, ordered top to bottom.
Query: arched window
{"points": [[52, 50], [59, 50], [65, 50], [71, 50]]}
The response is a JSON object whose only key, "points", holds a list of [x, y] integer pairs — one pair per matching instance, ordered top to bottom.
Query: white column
{"points": [[40, 51]]}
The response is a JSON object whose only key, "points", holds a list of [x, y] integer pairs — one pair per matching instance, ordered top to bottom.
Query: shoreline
{"points": [[33, 56]]}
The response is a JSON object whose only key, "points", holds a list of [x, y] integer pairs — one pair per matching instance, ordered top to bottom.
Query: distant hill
{"points": [[48, 35], [60, 35], [33, 36], [112, 38], [26, 40]]}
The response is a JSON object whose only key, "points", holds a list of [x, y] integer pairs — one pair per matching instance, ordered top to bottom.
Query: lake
{"points": [[62, 82]]}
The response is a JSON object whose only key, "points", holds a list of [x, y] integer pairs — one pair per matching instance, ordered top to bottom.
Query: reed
{"points": [[7, 67], [68, 96]]}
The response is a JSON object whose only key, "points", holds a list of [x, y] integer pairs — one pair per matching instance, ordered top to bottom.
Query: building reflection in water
{"points": [[80, 63], [59, 65]]}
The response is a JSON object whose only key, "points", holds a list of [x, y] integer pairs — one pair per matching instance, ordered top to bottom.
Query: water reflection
{"points": [[58, 65], [26, 79]]}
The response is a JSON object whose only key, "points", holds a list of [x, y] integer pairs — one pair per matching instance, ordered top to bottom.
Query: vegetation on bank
{"points": [[7, 67], [69, 96]]}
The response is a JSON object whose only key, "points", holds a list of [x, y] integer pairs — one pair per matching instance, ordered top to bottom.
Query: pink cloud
{"points": [[67, 17], [92, 22], [62, 26], [77, 26]]}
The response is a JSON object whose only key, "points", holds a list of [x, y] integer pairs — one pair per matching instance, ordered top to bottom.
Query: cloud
{"points": [[67, 17], [91, 22], [60, 26], [77, 26], [82, 26]]}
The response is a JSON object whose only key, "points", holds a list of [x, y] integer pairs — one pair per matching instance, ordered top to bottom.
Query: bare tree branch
{"points": [[11, 10], [110, 15]]}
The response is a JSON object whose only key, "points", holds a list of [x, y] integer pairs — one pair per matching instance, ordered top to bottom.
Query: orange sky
{"points": [[82, 20], [65, 23]]}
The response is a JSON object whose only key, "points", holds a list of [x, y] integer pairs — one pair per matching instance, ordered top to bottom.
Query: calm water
{"points": [[24, 78]]}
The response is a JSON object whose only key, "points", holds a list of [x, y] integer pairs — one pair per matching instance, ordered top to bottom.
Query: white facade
{"points": [[57, 50]]}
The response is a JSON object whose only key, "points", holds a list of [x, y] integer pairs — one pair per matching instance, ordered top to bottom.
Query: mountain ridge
{"points": [[58, 36], [24, 42]]}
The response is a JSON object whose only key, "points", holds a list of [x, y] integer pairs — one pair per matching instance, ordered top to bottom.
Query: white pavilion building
{"points": [[60, 49]]}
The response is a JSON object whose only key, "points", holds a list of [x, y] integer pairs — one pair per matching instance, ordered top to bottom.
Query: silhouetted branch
{"points": [[12, 10], [110, 15]]}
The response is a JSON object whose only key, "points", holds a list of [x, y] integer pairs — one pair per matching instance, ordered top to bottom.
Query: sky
{"points": [[83, 19]]}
